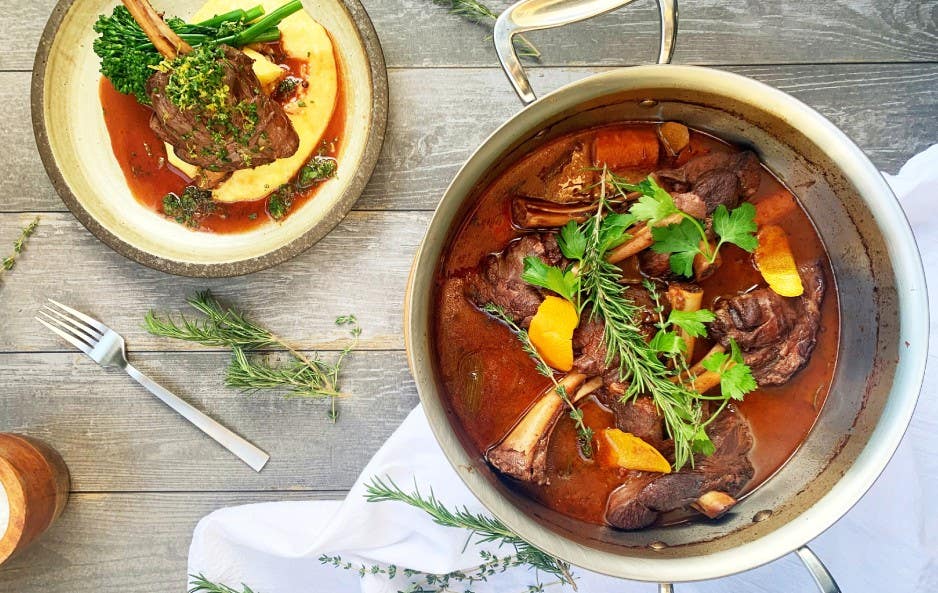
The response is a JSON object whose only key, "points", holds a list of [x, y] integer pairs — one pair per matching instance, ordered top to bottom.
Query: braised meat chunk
{"points": [[219, 120], [717, 178], [499, 278], [776, 334], [588, 346], [644, 495]]}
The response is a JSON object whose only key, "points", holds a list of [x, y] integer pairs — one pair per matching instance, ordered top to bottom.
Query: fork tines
{"points": [[75, 327]]}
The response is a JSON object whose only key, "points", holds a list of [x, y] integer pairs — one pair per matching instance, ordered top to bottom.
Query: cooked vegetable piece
{"points": [[674, 137], [626, 148], [776, 262], [686, 314], [551, 332], [625, 450], [714, 503]]}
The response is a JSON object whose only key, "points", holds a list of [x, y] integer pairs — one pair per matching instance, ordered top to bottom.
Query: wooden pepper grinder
{"points": [[34, 486]]}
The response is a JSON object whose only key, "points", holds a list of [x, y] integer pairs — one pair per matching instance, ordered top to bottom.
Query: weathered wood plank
{"points": [[418, 33], [439, 116], [361, 268], [115, 436], [121, 543]]}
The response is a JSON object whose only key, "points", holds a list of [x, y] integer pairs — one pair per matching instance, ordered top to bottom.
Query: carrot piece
{"points": [[626, 148], [776, 262], [551, 332], [624, 449]]}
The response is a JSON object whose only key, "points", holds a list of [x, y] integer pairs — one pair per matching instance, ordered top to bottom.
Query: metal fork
{"points": [[106, 347]]}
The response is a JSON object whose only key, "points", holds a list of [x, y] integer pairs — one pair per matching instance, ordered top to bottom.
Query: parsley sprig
{"points": [[688, 238]]}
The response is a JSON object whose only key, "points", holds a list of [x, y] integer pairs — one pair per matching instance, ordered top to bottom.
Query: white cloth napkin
{"points": [[888, 542]]}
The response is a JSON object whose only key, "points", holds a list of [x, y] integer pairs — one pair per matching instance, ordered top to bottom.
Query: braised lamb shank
{"points": [[240, 130]]}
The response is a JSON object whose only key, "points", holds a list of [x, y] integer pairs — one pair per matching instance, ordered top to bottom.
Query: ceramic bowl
{"points": [[76, 151]]}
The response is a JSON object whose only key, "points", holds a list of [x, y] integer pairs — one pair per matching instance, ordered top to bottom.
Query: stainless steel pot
{"points": [[884, 329]]}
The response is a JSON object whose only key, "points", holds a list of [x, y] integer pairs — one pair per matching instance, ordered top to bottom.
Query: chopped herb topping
{"points": [[319, 168], [189, 208]]}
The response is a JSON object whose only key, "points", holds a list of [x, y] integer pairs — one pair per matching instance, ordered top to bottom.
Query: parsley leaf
{"points": [[655, 203], [737, 226], [612, 231], [572, 241], [682, 241], [563, 282], [691, 322], [667, 342], [736, 378], [702, 444]]}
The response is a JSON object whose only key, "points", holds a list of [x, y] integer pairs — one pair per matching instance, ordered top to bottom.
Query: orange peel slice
{"points": [[776, 262], [551, 332]]}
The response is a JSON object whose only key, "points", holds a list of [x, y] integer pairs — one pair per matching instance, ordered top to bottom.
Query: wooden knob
{"points": [[36, 483]]}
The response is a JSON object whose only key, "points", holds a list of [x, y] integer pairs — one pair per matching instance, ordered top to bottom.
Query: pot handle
{"points": [[531, 15], [822, 576]]}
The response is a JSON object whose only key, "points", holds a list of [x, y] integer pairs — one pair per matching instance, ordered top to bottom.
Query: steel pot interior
{"points": [[883, 322]]}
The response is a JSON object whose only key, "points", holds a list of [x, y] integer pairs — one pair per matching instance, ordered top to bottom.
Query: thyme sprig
{"points": [[476, 12], [9, 262], [302, 376], [584, 432], [481, 527], [200, 584]]}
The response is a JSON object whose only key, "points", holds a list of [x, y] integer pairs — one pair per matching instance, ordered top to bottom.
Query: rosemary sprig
{"points": [[476, 12], [9, 262], [639, 365], [302, 376], [584, 432], [485, 529], [199, 584]]}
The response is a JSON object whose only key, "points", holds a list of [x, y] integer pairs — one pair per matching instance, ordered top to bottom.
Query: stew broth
{"points": [[489, 381]]}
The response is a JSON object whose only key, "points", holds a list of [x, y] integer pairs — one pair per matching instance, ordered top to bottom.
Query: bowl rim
{"points": [[377, 125], [912, 302]]}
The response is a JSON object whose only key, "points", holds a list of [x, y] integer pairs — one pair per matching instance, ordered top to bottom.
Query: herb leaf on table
{"points": [[476, 12], [9, 262], [302, 376]]}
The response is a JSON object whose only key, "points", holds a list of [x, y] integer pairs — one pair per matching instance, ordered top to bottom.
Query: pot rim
{"points": [[911, 295]]}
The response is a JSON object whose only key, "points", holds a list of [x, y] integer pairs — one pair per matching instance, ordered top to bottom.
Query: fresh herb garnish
{"points": [[476, 12], [128, 58], [318, 169], [280, 201], [190, 207], [688, 238], [9, 262], [564, 282], [222, 326], [643, 366], [736, 378], [584, 432], [481, 527], [200, 584]]}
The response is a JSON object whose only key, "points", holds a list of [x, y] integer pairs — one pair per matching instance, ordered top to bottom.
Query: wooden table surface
{"points": [[142, 476]]}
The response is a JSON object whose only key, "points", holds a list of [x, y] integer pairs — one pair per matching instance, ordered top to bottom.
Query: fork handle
{"points": [[245, 451]]}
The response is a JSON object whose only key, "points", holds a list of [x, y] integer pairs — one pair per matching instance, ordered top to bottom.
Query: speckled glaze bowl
{"points": [[76, 151]]}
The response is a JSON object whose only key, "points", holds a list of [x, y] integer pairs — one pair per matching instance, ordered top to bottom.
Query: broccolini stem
{"points": [[234, 15], [270, 21]]}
